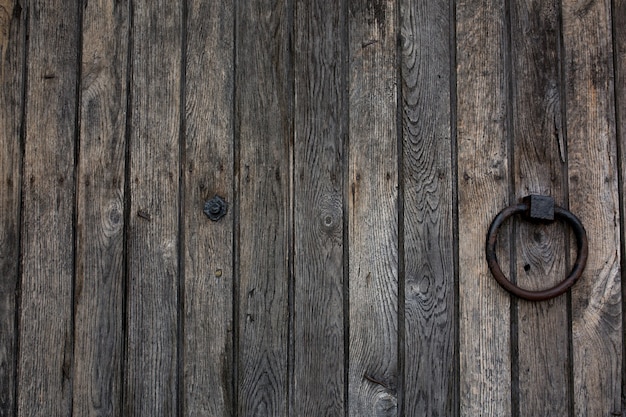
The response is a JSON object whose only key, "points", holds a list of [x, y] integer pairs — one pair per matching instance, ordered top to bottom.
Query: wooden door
{"points": [[360, 150]]}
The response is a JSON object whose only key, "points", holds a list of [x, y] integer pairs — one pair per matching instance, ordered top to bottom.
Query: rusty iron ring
{"points": [[563, 286]]}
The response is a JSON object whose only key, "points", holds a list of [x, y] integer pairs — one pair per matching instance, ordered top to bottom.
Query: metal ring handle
{"points": [[577, 270]]}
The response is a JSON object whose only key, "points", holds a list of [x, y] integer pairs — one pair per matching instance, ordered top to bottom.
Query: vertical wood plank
{"points": [[619, 43], [11, 118], [264, 135], [538, 149], [592, 155], [483, 171], [372, 209], [100, 214], [318, 216], [208, 246], [430, 313], [46, 334], [151, 375]]}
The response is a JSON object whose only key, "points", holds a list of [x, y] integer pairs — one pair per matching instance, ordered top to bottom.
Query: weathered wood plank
{"points": [[619, 36], [11, 118], [264, 136], [538, 141], [592, 155], [483, 170], [372, 210], [318, 217], [153, 228], [208, 246], [430, 314], [46, 334], [99, 334]]}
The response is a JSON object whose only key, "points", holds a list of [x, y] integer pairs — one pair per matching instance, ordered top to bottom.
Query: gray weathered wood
{"points": [[619, 34], [6, 36], [11, 99], [264, 125], [538, 149], [592, 155], [483, 170], [372, 210], [318, 216], [153, 226], [208, 246], [99, 300], [430, 315], [262, 320], [46, 334]]}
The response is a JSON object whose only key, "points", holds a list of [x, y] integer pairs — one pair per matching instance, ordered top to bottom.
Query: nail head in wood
{"points": [[215, 208]]}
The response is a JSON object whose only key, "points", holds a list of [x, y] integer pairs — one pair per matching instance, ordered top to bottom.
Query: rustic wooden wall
{"points": [[362, 147]]}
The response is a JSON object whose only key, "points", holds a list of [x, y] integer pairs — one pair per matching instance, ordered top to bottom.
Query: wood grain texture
{"points": [[7, 36], [619, 42], [11, 118], [264, 134], [592, 157], [539, 162], [483, 170], [372, 210], [318, 217], [208, 246], [153, 247], [99, 291], [430, 315], [46, 334]]}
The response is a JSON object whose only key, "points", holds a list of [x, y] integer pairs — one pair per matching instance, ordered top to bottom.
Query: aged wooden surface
{"points": [[7, 36], [619, 53], [11, 101], [319, 129], [264, 138], [362, 147], [591, 149], [483, 169], [372, 210], [208, 246], [99, 293], [153, 305], [539, 330], [430, 337], [44, 385]]}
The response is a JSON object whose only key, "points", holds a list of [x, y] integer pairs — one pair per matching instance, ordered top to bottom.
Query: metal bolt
{"points": [[215, 208], [540, 208]]}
